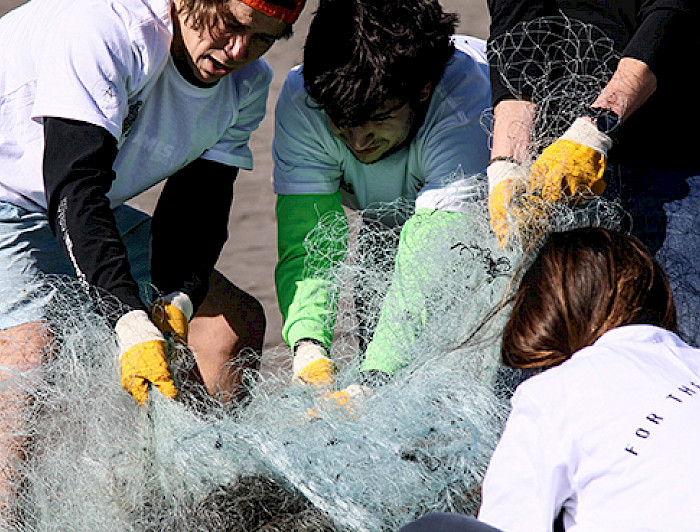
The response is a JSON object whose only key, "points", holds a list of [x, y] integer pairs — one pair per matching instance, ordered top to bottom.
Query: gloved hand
{"points": [[573, 164], [506, 178], [172, 314], [143, 357], [311, 364], [349, 395], [344, 399]]}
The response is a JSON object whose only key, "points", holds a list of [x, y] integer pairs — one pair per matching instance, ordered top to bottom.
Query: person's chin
{"points": [[211, 72], [206, 77], [369, 156]]}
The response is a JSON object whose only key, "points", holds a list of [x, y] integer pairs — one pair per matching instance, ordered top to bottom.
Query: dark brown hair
{"points": [[360, 54], [583, 283]]}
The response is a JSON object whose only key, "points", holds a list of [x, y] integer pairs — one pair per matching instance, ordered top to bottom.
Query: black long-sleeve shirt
{"points": [[661, 33], [190, 222]]}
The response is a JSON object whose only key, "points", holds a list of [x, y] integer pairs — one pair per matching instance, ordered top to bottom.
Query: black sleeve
{"points": [[505, 15], [658, 32], [666, 36], [77, 167], [190, 227]]}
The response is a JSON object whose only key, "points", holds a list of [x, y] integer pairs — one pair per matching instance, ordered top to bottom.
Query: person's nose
{"points": [[238, 46], [359, 137]]}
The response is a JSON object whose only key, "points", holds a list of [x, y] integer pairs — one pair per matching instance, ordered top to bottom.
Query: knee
{"points": [[229, 317], [252, 320], [25, 347]]}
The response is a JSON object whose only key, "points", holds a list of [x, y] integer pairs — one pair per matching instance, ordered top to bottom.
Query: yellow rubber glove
{"points": [[573, 164], [506, 180], [172, 314], [143, 357], [312, 366], [348, 396], [345, 399]]}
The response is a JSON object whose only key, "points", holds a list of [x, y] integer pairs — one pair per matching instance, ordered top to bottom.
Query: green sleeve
{"points": [[415, 281], [305, 294]]}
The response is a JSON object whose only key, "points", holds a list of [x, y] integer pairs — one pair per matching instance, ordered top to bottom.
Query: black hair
{"points": [[359, 54]]}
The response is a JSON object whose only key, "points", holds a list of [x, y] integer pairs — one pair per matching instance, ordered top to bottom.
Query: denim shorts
{"points": [[31, 257]]}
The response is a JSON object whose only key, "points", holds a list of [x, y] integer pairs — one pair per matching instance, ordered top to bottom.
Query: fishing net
{"points": [[558, 63], [292, 458]]}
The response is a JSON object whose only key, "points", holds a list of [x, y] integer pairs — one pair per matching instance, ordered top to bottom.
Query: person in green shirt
{"points": [[390, 111]]}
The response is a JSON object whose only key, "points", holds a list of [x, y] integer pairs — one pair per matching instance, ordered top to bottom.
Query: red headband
{"points": [[282, 13]]}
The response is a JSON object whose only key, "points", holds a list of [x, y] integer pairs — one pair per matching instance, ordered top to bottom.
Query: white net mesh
{"points": [[559, 64], [420, 443]]}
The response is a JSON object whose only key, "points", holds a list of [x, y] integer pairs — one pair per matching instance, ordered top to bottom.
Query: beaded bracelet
{"points": [[506, 158]]}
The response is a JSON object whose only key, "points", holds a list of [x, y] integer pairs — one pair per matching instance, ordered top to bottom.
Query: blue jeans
{"points": [[664, 207], [29, 253]]}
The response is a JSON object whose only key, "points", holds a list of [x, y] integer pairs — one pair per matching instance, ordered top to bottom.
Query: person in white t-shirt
{"points": [[99, 101], [389, 112], [605, 438]]}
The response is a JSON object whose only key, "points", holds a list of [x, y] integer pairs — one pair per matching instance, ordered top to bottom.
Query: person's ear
{"points": [[425, 93]]}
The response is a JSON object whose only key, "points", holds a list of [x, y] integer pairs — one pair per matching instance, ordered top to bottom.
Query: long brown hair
{"points": [[583, 283]]}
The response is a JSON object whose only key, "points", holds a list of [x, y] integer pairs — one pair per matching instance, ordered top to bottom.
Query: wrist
{"points": [[605, 120], [584, 132], [502, 170], [182, 302], [135, 327], [302, 342], [311, 364]]}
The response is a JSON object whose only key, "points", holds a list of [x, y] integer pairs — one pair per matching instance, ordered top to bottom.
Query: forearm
{"points": [[630, 86], [512, 129], [77, 167], [190, 228], [423, 255], [305, 294]]}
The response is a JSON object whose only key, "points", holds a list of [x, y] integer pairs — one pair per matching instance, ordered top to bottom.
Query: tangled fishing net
{"points": [[558, 63], [418, 444], [290, 459]]}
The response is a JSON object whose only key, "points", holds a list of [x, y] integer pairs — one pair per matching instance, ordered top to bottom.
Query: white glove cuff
{"points": [[584, 132], [499, 171], [182, 301], [135, 327], [305, 354], [358, 390]]}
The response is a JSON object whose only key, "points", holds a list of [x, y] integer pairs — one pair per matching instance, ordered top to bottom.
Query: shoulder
{"points": [[127, 18], [133, 31], [471, 46], [468, 67], [259, 70], [293, 88], [464, 89], [294, 102], [640, 352]]}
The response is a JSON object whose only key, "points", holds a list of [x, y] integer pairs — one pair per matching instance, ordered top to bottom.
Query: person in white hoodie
{"points": [[99, 101], [604, 436]]}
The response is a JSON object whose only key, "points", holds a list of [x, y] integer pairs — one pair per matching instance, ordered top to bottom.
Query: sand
{"points": [[249, 257]]}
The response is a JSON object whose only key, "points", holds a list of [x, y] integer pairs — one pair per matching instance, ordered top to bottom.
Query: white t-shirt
{"points": [[108, 63], [450, 144], [611, 435]]}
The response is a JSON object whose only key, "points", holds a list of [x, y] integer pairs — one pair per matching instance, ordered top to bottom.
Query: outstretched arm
{"points": [[78, 160], [306, 297]]}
